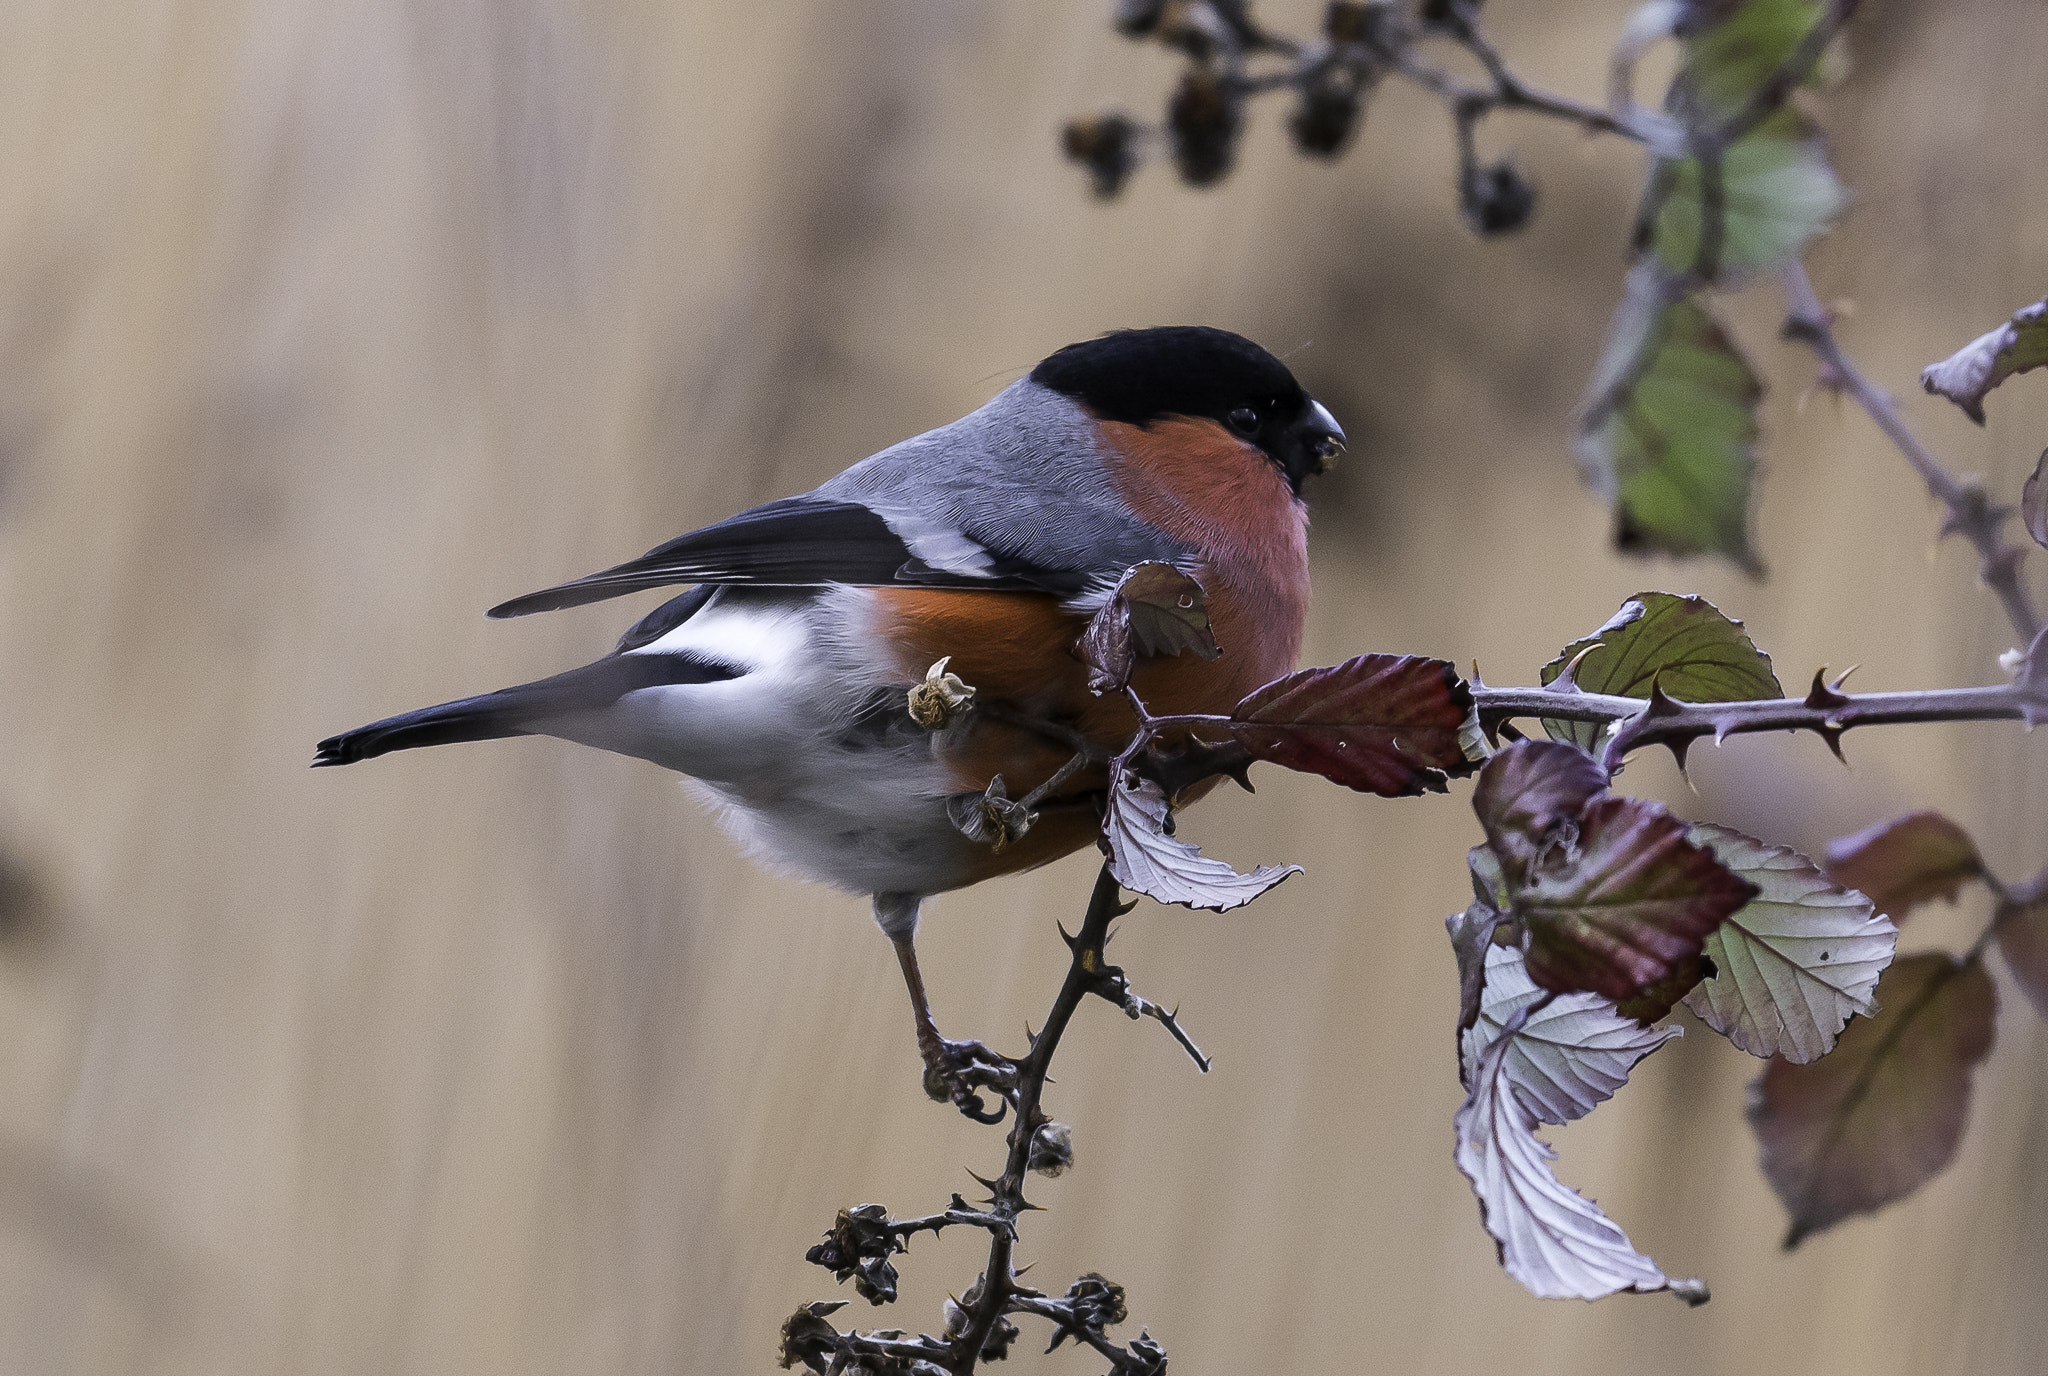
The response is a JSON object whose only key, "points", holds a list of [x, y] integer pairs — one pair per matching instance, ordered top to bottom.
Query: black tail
{"points": [[517, 711]]}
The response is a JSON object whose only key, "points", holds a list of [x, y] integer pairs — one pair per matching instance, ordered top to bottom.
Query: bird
{"points": [[973, 555]]}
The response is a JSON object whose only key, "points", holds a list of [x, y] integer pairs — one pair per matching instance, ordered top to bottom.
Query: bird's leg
{"points": [[952, 1070]]}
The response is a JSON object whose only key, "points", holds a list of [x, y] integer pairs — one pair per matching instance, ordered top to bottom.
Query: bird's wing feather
{"points": [[1012, 498], [798, 542]]}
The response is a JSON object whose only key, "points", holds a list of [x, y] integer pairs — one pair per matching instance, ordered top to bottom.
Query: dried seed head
{"points": [[1204, 118], [1105, 144], [1498, 199], [941, 699], [1052, 1149]]}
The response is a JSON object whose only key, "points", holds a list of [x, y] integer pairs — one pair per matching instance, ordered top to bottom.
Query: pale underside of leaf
{"points": [[1968, 374], [2034, 501], [1685, 644], [1146, 860], [1796, 961], [1570, 1055], [1551, 1239]]}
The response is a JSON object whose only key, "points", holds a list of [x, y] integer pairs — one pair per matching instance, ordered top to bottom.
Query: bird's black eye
{"points": [[1244, 420]]}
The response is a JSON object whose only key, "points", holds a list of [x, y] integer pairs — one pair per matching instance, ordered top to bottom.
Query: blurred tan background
{"points": [[324, 326]]}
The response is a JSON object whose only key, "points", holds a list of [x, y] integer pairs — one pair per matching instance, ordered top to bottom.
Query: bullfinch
{"points": [[779, 683]]}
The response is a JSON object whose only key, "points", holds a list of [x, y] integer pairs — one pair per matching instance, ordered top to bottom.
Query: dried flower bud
{"points": [[1204, 117], [1106, 144], [1498, 199], [941, 699], [994, 818], [1052, 1149], [858, 1248], [874, 1280], [1098, 1302], [807, 1340], [996, 1346], [1151, 1356]]}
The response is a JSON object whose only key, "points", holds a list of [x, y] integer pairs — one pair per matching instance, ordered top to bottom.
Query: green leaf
{"points": [[1731, 50], [1777, 191], [1966, 375], [1668, 424], [1684, 643], [1905, 862], [1626, 906], [1795, 961], [1880, 1117]]}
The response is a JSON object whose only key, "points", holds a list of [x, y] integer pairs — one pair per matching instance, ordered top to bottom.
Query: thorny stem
{"points": [[1970, 511], [1664, 720], [999, 1288], [999, 1293]]}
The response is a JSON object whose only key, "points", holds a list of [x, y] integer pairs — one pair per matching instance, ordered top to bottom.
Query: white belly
{"points": [[802, 775]]}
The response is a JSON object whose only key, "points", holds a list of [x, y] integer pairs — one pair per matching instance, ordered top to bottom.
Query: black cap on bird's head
{"points": [[1139, 376]]}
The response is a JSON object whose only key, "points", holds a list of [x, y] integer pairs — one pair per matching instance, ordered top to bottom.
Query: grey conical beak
{"points": [[1325, 438]]}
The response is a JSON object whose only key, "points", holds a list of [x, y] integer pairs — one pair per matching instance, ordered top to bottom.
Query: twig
{"points": [[1970, 511], [998, 1287]]}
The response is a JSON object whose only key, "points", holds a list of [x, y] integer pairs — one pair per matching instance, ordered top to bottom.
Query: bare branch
{"points": [[1971, 513]]}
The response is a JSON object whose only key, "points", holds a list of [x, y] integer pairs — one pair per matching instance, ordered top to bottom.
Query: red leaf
{"points": [[1156, 610], [1385, 724], [1529, 796], [1905, 862], [1628, 906], [2023, 941], [1880, 1116]]}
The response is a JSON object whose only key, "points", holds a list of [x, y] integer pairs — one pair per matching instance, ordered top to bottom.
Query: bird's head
{"points": [[1137, 377]]}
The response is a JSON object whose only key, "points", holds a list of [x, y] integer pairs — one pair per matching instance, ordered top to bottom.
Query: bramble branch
{"points": [[1971, 512], [863, 1239]]}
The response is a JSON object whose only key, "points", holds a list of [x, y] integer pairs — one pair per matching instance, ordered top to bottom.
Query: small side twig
{"points": [[1971, 513]]}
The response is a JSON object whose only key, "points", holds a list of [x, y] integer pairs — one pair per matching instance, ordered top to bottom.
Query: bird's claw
{"points": [[955, 1071]]}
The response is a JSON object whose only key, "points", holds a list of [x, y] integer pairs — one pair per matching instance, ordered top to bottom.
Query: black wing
{"points": [[797, 542]]}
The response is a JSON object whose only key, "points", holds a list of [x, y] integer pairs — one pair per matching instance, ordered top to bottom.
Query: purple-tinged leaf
{"points": [[1966, 375], [2034, 500], [1156, 611], [1684, 645], [1384, 724], [1529, 799], [1145, 857], [1905, 862], [1627, 906], [1471, 938], [2023, 941], [1796, 961], [1655, 1001], [1527, 1062], [1882, 1115]]}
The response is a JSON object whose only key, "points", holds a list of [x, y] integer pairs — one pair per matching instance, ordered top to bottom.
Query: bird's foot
{"points": [[954, 1072]]}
